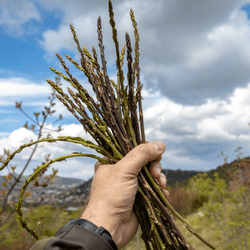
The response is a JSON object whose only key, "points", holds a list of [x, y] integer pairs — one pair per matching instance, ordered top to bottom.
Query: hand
{"points": [[114, 188]]}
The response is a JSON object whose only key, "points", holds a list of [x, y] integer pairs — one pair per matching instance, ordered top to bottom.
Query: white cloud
{"points": [[14, 14], [84, 19], [85, 27], [231, 38], [54, 41], [190, 52], [194, 68], [208, 69], [13, 87], [5, 103], [215, 119], [73, 130], [4, 134], [194, 135], [16, 138], [179, 157], [78, 167]]}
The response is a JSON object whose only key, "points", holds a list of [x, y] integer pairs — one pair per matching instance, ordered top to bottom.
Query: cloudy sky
{"points": [[195, 68]]}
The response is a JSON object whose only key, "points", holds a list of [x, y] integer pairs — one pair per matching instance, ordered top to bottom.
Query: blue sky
{"points": [[195, 68]]}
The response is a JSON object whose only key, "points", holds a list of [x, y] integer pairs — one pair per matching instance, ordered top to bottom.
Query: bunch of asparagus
{"points": [[115, 121]]}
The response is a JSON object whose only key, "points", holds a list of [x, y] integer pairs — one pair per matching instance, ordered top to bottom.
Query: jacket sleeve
{"points": [[73, 237]]}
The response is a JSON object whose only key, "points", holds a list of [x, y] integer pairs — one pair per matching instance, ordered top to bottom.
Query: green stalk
{"points": [[91, 59], [118, 62], [77, 65], [137, 69], [100, 123], [77, 140], [117, 154], [34, 175], [142, 215], [153, 220], [189, 228]]}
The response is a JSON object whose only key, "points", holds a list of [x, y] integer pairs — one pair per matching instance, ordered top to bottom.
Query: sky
{"points": [[195, 71]]}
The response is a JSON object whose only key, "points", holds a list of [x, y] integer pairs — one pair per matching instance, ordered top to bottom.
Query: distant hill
{"points": [[243, 164], [178, 175], [173, 176], [58, 181], [66, 181], [75, 192]]}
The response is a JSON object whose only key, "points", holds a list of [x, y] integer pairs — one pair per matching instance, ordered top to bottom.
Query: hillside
{"points": [[178, 175], [59, 181], [70, 190]]}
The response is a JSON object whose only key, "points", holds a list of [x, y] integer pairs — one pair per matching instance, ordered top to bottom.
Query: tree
{"points": [[40, 128], [226, 205]]}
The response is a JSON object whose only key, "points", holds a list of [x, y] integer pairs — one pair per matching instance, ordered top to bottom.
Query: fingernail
{"points": [[159, 145], [159, 167], [159, 170], [163, 176]]}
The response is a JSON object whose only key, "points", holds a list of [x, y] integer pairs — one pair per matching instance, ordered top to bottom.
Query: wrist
{"points": [[101, 219], [101, 231]]}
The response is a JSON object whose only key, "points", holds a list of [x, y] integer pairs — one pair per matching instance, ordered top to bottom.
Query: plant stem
{"points": [[34, 175]]}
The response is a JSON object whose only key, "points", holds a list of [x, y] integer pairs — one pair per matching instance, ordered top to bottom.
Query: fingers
{"points": [[141, 155], [159, 158], [155, 170], [163, 181], [165, 193]]}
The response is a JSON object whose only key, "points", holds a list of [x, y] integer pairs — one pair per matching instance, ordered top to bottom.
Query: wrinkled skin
{"points": [[114, 188]]}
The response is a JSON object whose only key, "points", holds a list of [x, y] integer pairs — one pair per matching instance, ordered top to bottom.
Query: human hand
{"points": [[114, 188]]}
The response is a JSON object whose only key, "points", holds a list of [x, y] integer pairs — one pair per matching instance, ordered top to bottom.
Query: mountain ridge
{"points": [[172, 175]]}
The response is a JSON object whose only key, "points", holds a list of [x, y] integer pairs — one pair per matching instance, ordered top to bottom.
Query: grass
{"points": [[196, 220]]}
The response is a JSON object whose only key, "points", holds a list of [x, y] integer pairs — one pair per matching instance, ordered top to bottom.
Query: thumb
{"points": [[141, 155], [98, 164]]}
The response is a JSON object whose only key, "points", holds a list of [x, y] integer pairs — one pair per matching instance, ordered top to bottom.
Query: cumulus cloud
{"points": [[14, 14], [84, 16], [191, 51], [194, 68], [21, 87], [214, 118], [195, 134], [79, 167]]}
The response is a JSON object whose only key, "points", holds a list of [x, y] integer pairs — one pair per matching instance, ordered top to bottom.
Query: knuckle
{"points": [[144, 149]]}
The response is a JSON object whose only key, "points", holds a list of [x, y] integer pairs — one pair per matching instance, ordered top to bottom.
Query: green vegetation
{"points": [[216, 209], [224, 216], [46, 220]]}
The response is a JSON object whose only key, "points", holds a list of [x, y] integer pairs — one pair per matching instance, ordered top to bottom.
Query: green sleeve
{"points": [[73, 237], [40, 244]]}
